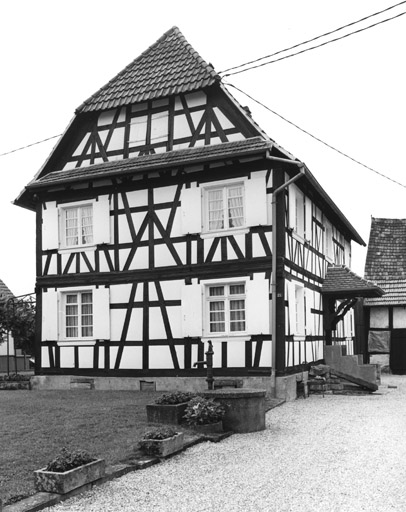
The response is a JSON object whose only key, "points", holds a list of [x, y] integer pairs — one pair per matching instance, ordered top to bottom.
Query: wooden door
{"points": [[398, 351]]}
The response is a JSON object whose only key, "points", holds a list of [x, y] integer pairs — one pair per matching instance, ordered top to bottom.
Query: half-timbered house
{"points": [[167, 218], [385, 317]]}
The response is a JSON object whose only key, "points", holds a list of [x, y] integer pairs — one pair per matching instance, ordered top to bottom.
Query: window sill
{"points": [[224, 232], [77, 248], [225, 337], [76, 342]]}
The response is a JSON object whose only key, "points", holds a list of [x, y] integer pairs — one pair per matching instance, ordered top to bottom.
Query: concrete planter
{"points": [[245, 408], [167, 414], [162, 447], [62, 483]]}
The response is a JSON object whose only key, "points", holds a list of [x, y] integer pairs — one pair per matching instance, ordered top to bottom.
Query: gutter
{"points": [[275, 193]]}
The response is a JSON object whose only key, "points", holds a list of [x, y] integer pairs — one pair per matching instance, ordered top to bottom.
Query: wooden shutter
{"points": [[292, 206], [191, 210], [256, 211], [309, 219], [101, 220], [50, 226], [258, 306], [292, 307], [192, 310], [308, 312], [101, 313], [50, 315]]}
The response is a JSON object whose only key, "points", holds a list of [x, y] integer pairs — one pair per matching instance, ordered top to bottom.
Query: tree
{"points": [[17, 316]]}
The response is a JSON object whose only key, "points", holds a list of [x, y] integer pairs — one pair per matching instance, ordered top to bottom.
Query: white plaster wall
{"points": [[379, 317]]}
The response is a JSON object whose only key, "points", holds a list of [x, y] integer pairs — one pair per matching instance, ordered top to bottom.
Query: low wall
{"points": [[15, 364], [195, 384]]}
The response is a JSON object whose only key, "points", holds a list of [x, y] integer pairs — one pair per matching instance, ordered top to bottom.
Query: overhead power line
{"points": [[310, 40], [316, 138], [29, 145]]}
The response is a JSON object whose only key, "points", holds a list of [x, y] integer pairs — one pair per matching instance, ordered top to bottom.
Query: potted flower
{"points": [[169, 408], [205, 415], [161, 441], [68, 471]]}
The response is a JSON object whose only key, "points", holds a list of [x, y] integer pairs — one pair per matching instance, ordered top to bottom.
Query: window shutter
{"points": [[292, 207], [191, 210], [256, 211], [309, 219], [101, 220], [50, 226], [258, 307], [292, 307], [101, 313], [309, 314], [50, 315], [192, 316]]}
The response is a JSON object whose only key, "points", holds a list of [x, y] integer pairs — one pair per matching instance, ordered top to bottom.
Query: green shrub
{"points": [[178, 397], [202, 411], [160, 433], [149, 442], [68, 460]]}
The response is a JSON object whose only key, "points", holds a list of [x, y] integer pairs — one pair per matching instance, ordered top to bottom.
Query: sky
{"points": [[350, 93]]}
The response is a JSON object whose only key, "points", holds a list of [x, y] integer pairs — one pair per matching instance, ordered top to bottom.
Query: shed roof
{"points": [[169, 66], [341, 282], [5, 292], [395, 293]]}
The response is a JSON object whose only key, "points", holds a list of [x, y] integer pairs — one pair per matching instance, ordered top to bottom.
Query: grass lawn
{"points": [[35, 425]]}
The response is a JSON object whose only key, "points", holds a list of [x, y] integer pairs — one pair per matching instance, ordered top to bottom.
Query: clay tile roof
{"points": [[170, 66], [180, 157], [386, 255], [386, 260], [341, 282], [5, 292]]}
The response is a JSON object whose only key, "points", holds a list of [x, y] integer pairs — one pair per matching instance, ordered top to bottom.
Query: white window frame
{"points": [[224, 187], [63, 209], [227, 297], [63, 316]]}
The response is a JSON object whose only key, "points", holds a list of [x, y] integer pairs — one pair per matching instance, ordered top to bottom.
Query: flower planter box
{"points": [[167, 414], [208, 428], [162, 447], [62, 483]]}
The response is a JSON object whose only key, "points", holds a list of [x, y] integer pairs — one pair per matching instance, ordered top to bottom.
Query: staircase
{"points": [[343, 374]]}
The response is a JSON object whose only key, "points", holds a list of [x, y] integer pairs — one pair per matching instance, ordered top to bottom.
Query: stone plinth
{"points": [[245, 408]]}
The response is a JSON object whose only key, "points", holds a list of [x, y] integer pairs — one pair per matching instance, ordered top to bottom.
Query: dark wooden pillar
{"points": [[279, 224], [38, 290]]}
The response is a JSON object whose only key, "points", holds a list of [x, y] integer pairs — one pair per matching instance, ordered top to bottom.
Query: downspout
{"points": [[273, 280]]}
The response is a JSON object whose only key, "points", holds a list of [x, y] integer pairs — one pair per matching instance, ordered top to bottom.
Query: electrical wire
{"points": [[312, 39], [308, 49], [314, 137], [29, 145]]}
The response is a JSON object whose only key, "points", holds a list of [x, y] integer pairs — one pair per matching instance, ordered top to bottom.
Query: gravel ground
{"points": [[337, 453]]}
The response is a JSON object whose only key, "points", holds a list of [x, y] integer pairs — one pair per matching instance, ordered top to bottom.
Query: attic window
{"points": [[77, 225]]}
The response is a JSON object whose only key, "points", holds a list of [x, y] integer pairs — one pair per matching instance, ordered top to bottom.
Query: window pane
{"points": [[235, 207], [216, 209], [87, 225], [71, 226], [237, 289], [215, 291], [87, 314], [237, 315], [217, 317]]}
